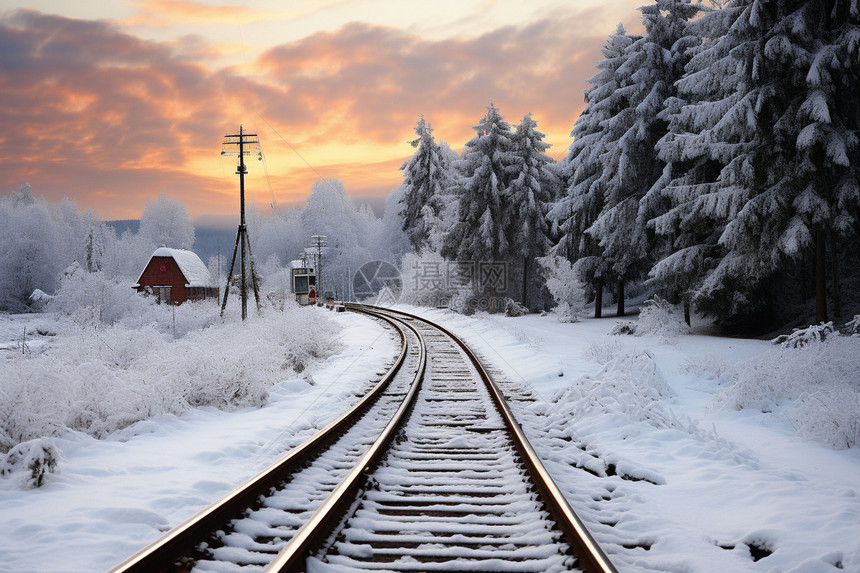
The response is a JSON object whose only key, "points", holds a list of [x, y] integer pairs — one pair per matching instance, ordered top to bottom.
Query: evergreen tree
{"points": [[786, 142], [630, 166], [426, 176], [530, 192], [583, 201], [696, 208], [484, 211]]}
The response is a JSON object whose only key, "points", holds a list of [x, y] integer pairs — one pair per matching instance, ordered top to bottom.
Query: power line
{"points": [[296, 152]]}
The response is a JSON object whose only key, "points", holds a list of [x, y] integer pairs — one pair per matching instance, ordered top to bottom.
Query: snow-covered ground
{"points": [[631, 427], [703, 485], [112, 497]]}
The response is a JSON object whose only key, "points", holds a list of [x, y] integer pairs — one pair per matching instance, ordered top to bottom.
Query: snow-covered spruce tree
{"points": [[651, 66], [796, 175], [425, 179], [530, 192], [583, 200], [696, 208], [479, 235]]}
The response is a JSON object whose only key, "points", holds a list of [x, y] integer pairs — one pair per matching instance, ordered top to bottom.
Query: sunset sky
{"points": [[111, 103]]}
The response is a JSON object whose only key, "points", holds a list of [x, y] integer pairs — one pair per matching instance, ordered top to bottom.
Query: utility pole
{"points": [[241, 140], [319, 241]]}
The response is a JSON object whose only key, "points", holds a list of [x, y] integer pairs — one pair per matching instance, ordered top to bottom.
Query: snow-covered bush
{"points": [[564, 285], [95, 297], [513, 308], [659, 318], [853, 325], [623, 327], [801, 337], [603, 352], [706, 366], [98, 379], [628, 386], [817, 386], [830, 415], [34, 460]]}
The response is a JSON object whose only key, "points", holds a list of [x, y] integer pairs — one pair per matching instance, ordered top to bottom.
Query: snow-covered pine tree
{"points": [[647, 76], [828, 158], [796, 174], [426, 177], [530, 192], [583, 201], [696, 208], [484, 211]]}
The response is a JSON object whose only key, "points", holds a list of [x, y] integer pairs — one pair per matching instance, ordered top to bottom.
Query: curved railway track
{"points": [[428, 472]]}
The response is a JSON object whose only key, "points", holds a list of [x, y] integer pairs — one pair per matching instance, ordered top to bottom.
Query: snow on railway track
{"points": [[435, 476], [450, 495]]}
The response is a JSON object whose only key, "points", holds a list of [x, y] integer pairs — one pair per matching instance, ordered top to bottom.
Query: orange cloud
{"points": [[173, 12], [111, 120]]}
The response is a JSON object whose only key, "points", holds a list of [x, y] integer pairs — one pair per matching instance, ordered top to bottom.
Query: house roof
{"points": [[189, 263]]}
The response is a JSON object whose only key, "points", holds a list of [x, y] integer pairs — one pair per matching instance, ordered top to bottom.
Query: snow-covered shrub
{"points": [[424, 279], [564, 285], [95, 297], [465, 301], [513, 308], [660, 318], [853, 325], [623, 327], [801, 337], [603, 352], [706, 366], [98, 379], [817, 383], [629, 387], [829, 415], [34, 459]]}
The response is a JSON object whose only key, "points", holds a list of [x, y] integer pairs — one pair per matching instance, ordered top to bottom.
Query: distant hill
{"points": [[121, 226], [208, 242]]}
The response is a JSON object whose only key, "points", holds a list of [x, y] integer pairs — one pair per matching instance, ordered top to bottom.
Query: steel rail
{"points": [[318, 527], [163, 554], [590, 555]]}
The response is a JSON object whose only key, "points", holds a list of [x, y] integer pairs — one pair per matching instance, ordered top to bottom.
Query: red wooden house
{"points": [[176, 275]]}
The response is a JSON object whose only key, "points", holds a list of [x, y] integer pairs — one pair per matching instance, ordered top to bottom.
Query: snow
{"points": [[627, 425], [112, 497]]}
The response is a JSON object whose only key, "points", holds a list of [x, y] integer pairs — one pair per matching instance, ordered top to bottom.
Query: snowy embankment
{"points": [[99, 379], [682, 453], [690, 453], [110, 497]]}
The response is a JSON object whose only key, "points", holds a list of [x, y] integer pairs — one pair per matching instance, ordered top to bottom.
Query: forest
{"points": [[715, 167]]}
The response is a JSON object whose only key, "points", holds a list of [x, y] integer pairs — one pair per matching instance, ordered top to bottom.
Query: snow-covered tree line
{"points": [[719, 153], [716, 162], [484, 211], [40, 240], [45, 243]]}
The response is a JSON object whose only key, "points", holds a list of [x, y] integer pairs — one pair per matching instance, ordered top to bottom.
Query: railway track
{"points": [[429, 472]]}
